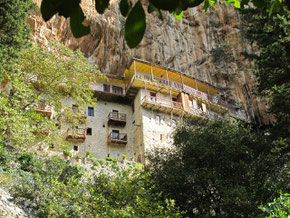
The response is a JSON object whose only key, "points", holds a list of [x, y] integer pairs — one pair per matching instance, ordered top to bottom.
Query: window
{"points": [[106, 88], [117, 90], [153, 96], [174, 99], [194, 103], [203, 107], [75, 108], [90, 111], [157, 118], [174, 123], [89, 131], [115, 134], [76, 148]]}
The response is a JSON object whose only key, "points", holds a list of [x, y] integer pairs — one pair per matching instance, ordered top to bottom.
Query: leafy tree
{"points": [[136, 18], [14, 32], [271, 35], [44, 75], [218, 168]]}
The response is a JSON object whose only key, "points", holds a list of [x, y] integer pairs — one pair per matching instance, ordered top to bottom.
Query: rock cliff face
{"points": [[204, 45]]}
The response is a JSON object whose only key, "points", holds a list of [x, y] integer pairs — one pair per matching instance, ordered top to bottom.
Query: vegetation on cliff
{"points": [[52, 187]]}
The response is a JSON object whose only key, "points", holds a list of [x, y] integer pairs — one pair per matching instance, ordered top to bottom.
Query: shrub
{"points": [[67, 153], [88, 153], [109, 159], [280, 207]]}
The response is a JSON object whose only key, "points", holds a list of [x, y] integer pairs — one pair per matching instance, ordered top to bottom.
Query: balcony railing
{"points": [[187, 89], [162, 102], [44, 109], [116, 118], [78, 134], [118, 138]]}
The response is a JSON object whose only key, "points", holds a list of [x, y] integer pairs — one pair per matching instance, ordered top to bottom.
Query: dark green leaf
{"points": [[194, 3], [258, 3], [102, 5], [167, 5], [125, 6], [49, 7], [68, 7], [275, 7], [76, 19], [135, 25]]}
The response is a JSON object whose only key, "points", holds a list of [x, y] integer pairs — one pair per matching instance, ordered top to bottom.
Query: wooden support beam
{"points": [[134, 67], [152, 75], [167, 78], [182, 81]]}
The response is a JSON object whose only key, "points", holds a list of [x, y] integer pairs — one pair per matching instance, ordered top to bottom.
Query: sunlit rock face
{"points": [[207, 46]]}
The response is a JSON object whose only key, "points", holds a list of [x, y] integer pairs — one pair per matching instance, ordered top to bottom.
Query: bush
{"points": [[67, 153], [88, 153], [109, 159], [29, 163], [280, 207]]}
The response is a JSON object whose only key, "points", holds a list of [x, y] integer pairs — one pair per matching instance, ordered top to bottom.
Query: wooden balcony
{"points": [[164, 85], [162, 105], [46, 110], [117, 119], [78, 134], [118, 138]]}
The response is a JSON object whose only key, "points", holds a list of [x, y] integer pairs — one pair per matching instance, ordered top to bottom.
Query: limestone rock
{"points": [[188, 45]]}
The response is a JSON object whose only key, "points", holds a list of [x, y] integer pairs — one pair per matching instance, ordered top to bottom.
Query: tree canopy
{"points": [[135, 14], [219, 168]]}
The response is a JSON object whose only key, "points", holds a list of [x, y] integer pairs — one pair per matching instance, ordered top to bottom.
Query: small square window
{"points": [[107, 88], [117, 90], [75, 108], [90, 111], [89, 131], [76, 148]]}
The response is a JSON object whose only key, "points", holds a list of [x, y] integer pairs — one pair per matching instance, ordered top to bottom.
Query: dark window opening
{"points": [[107, 88], [117, 90], [75, 108], [90, 111], [157, 118], [89, 131], [115, 134], [76, 148]]}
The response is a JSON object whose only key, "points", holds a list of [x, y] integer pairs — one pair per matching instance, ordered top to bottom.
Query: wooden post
{"points": [[134, 67], [152, 75], [167, 78], [182, 81], [195, 85], [145, 90], [170, 97], [108, 144]]}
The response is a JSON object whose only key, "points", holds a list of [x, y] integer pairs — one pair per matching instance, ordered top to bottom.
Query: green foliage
{"points": [[136, 21], [135, 25], [14, 32], [271, 35], [44, 75], [67, 153], [88, 153], [4, 157], [109, 159], [28, 162], [220, 168], [56, 188], [280, 207]]}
